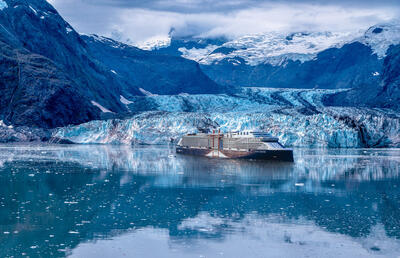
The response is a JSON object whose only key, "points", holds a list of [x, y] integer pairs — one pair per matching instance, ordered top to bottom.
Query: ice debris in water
{"points": [[3, 5]]}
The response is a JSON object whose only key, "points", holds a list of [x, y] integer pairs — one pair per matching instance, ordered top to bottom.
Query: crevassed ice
{"points": [[255, 109], [319, 130]]}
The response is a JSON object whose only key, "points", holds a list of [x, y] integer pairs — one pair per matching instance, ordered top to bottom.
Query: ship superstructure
{"points": [[246, 145]]}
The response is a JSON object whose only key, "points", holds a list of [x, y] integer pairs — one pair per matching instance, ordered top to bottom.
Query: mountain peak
{"points": [[381, 36]]}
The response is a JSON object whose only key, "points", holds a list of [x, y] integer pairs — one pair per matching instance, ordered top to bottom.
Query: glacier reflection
{"points": [[311, 164]]}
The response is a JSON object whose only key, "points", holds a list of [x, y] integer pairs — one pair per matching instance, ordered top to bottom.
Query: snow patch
{"points": [[33, 9], [68, 29], [380, 37], [108, 41], [154, 43], [197, 54], [147, 93], [124, 100], [103, 109]]}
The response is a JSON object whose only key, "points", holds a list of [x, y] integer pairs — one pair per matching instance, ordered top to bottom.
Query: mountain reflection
{"points": [[53, 198]]}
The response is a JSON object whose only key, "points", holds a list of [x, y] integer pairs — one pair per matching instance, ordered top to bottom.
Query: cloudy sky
{"points": [[140, 20]]}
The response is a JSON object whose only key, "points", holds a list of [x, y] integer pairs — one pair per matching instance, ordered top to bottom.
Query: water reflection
{"points": [[55, 200]]}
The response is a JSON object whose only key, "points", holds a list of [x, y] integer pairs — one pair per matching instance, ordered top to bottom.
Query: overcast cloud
{"points": [[139, 20]]}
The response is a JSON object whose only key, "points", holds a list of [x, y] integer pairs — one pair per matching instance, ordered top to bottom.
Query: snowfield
{"points": [[277, 48], [297, 117]]}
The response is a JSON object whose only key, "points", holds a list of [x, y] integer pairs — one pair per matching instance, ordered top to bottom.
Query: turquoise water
{"points": [[109, 201]]}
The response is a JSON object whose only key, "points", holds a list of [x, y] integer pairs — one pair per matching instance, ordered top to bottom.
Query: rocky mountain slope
{"points": [[152, 73], [53, 77]]}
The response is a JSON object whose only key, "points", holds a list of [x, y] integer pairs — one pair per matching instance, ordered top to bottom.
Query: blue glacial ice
{"points": [[297, 117]]}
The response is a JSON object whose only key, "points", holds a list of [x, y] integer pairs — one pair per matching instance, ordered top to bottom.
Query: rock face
{"points": [[37, 27], [352, 65], [156, 73], [391, 75], [51, 77], [36, 92], [385, 93]]}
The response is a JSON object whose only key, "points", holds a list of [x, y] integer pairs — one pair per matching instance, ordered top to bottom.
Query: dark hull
{"points": [[278, 155]]}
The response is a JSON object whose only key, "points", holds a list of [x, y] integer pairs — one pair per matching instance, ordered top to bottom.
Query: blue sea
{"points": [[123, 201]]}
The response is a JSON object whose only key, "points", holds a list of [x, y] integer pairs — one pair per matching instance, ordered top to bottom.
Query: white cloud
{"points": [[138, 24]]}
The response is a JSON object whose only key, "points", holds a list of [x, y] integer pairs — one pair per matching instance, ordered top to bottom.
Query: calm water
{"points": [[102, 201]]}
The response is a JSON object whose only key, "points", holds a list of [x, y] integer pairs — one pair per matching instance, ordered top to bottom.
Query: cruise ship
{"points": [[238, 145]]}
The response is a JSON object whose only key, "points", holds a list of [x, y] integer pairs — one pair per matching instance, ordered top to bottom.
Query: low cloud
{"points": [[136, 21]]}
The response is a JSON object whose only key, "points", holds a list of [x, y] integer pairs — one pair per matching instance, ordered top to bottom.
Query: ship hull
{"points": [[278, 155]]}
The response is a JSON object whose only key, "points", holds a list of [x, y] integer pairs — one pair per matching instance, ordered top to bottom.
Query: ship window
{"points": [[274, 145]]}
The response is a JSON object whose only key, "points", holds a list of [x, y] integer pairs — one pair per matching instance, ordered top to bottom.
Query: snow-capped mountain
{"points": [[275, 48], [323, 60]]}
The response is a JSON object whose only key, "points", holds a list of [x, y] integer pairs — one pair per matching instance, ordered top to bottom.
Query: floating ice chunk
{"points": [[3, 5], [68, 29], [114, 72], [375, 74], [103, 109]]}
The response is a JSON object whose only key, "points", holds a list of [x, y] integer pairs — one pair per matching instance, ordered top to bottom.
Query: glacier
{"points": [[277, 48], [297, 117]]}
